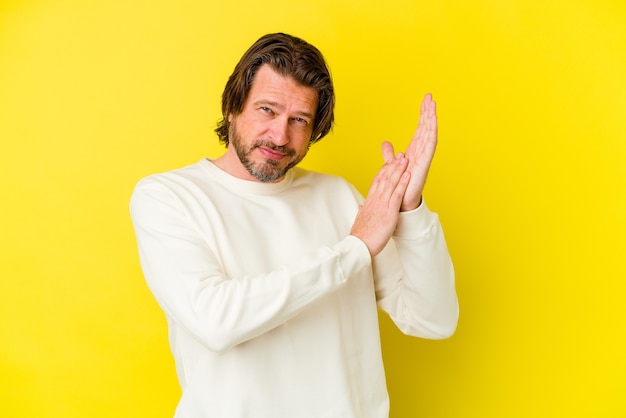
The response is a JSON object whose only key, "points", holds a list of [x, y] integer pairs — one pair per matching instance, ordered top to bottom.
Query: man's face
{"points": [[272, 132]]}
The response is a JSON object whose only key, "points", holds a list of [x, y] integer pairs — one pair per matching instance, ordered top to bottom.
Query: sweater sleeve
{"points": [[415, 277], [221, 312]]}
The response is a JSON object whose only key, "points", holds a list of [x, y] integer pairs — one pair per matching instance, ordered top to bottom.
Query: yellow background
{"points": [[529, 181]]}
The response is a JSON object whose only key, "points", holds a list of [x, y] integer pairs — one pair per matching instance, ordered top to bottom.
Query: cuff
{"points": [[415, 223], [353, 255]]}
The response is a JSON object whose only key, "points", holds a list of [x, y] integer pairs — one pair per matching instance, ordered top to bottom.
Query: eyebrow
{"points": [[277, 105]]}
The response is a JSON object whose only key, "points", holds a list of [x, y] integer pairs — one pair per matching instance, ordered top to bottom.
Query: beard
{"points": [[268, 171]]}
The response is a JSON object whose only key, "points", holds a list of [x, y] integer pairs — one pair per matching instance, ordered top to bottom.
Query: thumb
{"points": [[387, 149]]}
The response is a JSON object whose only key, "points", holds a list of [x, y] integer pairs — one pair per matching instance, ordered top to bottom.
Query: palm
{"points": [[420, 153]]}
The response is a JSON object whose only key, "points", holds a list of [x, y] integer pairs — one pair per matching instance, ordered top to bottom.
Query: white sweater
{"points": [[271, 304]]}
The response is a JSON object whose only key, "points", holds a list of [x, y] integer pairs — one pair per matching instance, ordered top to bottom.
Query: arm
{"points": [[414, 274], [415, 277], [221, 312]]}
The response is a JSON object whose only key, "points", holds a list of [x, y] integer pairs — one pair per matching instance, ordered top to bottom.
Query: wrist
{"points": [[407, 207]]}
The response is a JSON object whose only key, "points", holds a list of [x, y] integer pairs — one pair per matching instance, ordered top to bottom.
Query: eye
{"points": [[265, 109], [301, 121]]}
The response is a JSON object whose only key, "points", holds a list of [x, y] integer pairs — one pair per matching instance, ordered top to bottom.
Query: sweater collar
{"points": [[246, 186]]}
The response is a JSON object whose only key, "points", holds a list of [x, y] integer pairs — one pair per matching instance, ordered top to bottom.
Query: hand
{"points": [[420, 154], [378, 216]]}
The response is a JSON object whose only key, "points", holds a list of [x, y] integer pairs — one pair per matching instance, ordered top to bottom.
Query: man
{"points": [[270, 275]]}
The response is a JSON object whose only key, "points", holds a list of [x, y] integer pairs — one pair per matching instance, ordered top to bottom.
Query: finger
{"points": [[425, 101], [429, 108], [426, 110], [431, 126], [427, 128], [388, 152], [391, 174], [388, 176], [398, 194]]}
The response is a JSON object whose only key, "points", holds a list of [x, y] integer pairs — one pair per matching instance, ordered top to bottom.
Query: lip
{"points": [[271, 154]]}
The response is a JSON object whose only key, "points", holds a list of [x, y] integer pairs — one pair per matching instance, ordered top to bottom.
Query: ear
{"points": [[230, 117]]}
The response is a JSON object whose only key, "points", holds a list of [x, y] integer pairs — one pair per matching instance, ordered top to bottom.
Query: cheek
{"points": [[247, 130], [303, 136], [301, 145]]}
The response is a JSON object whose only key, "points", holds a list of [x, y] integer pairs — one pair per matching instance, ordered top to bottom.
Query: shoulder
{"points": [[187, 173], [167, 186]]}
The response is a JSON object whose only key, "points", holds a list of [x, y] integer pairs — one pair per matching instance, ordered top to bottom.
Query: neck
{"points": [[229, 162]]}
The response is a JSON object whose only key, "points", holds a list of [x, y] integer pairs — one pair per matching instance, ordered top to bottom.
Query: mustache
{"points": [[278, 148]]}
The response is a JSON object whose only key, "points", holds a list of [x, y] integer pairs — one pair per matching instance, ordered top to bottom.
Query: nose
{"points": [[280, 131]]}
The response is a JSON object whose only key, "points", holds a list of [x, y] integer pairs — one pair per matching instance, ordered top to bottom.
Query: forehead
{"points": [[269, 85]]}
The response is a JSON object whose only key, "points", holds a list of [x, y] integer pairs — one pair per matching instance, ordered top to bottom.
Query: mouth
{"points": [[271, 154]]}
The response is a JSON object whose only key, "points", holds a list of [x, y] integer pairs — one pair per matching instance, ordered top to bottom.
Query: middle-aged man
{"points": [[270, 275]]}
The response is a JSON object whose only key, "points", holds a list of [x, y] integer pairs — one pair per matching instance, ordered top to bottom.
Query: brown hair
{"points": [[289, 56]]}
